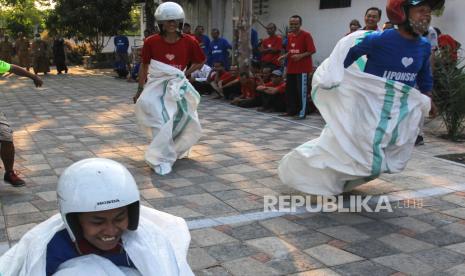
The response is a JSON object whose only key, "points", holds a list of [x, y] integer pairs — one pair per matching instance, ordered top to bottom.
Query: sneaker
{"points": [[419, 141], [12, 178]]}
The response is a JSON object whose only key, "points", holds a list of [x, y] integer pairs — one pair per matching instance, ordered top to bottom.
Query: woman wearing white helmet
{"points": [[167, 109], [101, 222]]}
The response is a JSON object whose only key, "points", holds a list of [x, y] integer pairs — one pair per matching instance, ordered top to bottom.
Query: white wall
{"points": [[452, 21], [326, 26], [133, 41]]}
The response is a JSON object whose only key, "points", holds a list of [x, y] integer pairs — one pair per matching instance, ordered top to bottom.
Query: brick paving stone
{"points": [[154, 193], [48, 196], [201, 199], [244, 204], [19, 208], [182, 211], [458, 213], [20, 219], [436, 219], [318, 221], [411, 223], [281, 226], [455, 228], [377, 229], [250, 231], [16, 232], [345, 233], [209, 237], [439, 237], [306, 239], [405, 243], [273, 246], [458, 247], [370, 249], [231, 251], [332, 256], [198, 258], [440, 258], [294, 262], [405, 263], [249, 267], [367, 268], [458, 270], [213, 271]]}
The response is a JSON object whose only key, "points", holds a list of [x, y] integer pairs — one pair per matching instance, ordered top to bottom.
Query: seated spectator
{"points": [[264, 76], [216, 78], [199, 79], [231, 86], [272, 93], [248, 96]]}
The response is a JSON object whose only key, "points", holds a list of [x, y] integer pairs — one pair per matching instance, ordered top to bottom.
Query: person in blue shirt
{"points": [[204, 41], [255, 43], [219, 49], [401, 54], [122, 66]]}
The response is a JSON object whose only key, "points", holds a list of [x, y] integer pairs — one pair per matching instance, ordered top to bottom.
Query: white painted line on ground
{"points": [[257, 216]]}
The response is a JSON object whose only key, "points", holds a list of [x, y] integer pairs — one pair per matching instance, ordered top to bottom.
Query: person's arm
{"points": [[309, 49], [361, 49], [194, 67], [143, 71], [24, 73], [231, 83]]}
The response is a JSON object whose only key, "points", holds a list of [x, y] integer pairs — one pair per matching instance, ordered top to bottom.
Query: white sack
{"points": [[167, 112], [371, 127], [158, 246], [93, 265]]}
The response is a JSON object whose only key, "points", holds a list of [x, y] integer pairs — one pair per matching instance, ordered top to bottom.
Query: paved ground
{"points": [[220, 189]]}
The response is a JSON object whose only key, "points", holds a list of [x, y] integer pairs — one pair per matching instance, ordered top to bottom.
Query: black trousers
{"points": [[232, 91], [296, 94], [276, 102]]}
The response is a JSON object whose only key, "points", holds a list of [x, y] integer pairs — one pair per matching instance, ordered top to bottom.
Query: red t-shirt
{"points": [[273, 42], [448, 42], [298, 44], [179, 54], [225, 76], [281, 86]]}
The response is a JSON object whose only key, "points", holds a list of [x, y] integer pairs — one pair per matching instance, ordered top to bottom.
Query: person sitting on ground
{"points": [[217, 75], [264, 76], [199, 78], [231, 87], [272, 93], [248, 96], [7, 151], [101, 227]]}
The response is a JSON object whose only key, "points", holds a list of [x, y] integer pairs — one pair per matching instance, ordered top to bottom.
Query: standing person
{"points": [[372, 18], [354, 25], [388, 25], [203, 40], [22, 47], [271, 48], [300, 48], [6, 49], [219, 49], [401, 54], [59, 55], [41, 60], [122, 66], [167, 107], [7, 151]]}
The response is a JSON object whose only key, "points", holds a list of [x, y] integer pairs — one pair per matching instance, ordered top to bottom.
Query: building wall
{"points": [[329, 25]]}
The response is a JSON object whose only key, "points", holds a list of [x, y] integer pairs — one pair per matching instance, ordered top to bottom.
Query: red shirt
{"points": [[273, 42], [299, 43], [179, 54], [225, 76], [280, 86]]}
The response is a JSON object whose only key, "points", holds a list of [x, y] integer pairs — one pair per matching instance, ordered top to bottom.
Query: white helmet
{"points": [[169, 11], [96, 184]]}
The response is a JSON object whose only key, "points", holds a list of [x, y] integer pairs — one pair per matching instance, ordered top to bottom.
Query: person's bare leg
{"points": [[7, 153]]}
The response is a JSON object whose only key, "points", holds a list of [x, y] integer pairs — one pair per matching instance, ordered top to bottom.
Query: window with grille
{"points": [[334, 4]]}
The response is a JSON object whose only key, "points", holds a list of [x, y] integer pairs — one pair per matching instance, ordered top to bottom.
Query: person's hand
{"points": [[296, 57], [281, 58], [37, 81], [137, 95]]}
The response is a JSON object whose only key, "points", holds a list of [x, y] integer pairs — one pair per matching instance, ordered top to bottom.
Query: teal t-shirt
{"points": [[4, 67]]}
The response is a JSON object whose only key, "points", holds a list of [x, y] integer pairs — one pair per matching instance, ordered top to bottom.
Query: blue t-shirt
{"points": [[121, 43], [205, 44], [219, 52], [391, 56], [61, 249]]}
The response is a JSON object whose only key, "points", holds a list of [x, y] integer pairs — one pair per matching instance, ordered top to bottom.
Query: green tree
{"points": [[20, 16], [91, 20]]}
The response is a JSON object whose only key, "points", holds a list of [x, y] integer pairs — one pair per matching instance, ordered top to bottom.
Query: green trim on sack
{"points": [[164, 112], [402, 113], [182, 120], [381, 128]]}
